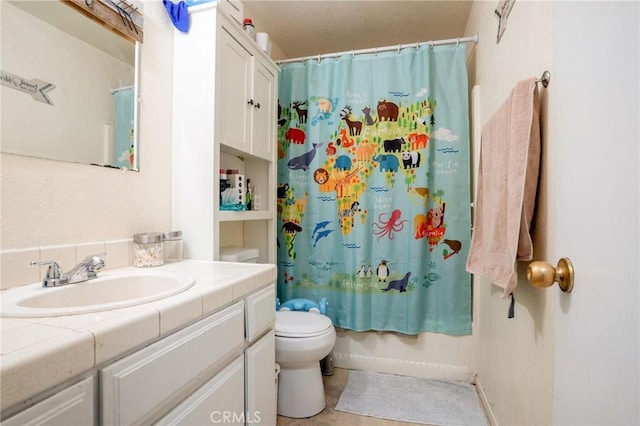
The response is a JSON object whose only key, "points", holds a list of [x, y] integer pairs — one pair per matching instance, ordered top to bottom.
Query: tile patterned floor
{"points": [[333, 386]]}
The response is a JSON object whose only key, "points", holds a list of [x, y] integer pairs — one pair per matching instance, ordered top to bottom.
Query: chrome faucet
{"points": [[83, 271]]}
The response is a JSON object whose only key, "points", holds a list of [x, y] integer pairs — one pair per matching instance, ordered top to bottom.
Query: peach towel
{"points": [[507, 184]]}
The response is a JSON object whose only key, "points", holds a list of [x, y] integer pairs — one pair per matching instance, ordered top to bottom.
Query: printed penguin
{"points": [[382, 271], [361, 272], [369, 272]]}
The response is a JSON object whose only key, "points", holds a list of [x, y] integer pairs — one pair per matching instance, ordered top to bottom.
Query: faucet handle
{"points": [[94, 262], [97, 262], [54, 272]]}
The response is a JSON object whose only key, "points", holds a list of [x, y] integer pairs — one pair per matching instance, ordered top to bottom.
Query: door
{"points": [[234, 93], [595, 113], [264, 118], [261, 381], [71, 406]]}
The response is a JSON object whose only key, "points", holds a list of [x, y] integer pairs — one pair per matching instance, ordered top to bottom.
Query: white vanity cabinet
{"points": [[224, 117], [260, 357], [216, 366], [218, 369], [139, 388], [260, 397], [220, 400], [74, 405]]}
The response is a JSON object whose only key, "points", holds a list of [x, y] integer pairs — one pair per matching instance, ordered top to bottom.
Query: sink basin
{"points": [[111, 290]]}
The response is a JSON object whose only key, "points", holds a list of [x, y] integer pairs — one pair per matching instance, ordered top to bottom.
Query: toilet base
{"points": [[300, 390]]}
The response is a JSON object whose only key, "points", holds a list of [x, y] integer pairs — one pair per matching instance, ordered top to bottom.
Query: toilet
{"points": [[303, 338]]}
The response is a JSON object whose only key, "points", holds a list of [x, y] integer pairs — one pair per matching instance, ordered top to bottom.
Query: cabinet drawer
{"points": [[261, 312], [137, 388], [220, 400], [72, 406]]}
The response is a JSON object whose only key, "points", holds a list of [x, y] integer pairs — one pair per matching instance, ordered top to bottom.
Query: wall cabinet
{"points": [[248, 98], [224, 117]]}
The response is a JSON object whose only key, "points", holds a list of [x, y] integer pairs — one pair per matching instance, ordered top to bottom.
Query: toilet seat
{"points": [[301, 324]]}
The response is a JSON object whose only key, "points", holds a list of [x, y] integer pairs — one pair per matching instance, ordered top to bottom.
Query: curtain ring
{"points": [[457, 42], [431, 44], [399, 46], [418, 46], [353, 54], [318, 58]]}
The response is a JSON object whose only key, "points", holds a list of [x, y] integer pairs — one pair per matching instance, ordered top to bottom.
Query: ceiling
{"points": [[310, 27]]}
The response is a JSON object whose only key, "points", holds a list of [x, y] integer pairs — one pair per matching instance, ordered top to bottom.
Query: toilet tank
{"points": [[239, 254]]}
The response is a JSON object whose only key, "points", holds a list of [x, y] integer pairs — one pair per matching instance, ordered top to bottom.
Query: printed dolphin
{"points": [[303, 161], [319, 226], [322, 234]]}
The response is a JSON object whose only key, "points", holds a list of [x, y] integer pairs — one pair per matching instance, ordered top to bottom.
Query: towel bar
{"points": [[544, 79]]}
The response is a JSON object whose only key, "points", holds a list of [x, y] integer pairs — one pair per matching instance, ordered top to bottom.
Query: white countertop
{"points": [[37, 354]]}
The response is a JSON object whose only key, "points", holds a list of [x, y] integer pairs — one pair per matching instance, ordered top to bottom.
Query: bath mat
{"points": [[411, 399]]}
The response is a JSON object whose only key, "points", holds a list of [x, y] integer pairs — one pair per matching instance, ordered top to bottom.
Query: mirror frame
{"points": [[123, 20]]}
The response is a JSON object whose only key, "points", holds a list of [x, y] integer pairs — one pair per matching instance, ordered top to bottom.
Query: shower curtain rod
{"points": [[470, 39], [113, 91]]}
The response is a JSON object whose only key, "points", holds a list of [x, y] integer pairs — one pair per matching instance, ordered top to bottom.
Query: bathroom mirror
{"points": [[69, 86]]}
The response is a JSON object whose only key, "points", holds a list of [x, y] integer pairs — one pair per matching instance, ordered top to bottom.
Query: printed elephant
{"points": [[295, 135], [343, 162], [388, 162]]}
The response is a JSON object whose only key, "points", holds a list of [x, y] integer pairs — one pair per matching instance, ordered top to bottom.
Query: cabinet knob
{"points": [[250, 102], [257, 105]]}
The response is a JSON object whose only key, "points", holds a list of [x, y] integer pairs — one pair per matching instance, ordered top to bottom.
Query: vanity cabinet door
{"points": [[234, 97], [260, 380], [146, 384], [220, 400], [72, 406]]}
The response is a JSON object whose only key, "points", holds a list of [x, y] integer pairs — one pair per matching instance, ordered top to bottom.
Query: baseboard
{"points": [[402, 367], [488, 411]]}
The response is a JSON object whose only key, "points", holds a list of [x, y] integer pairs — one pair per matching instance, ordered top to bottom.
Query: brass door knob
{"points": [[542, 274]]}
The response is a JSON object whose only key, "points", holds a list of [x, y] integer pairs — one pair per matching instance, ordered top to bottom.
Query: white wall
{"points": [[48, 202], [425, 355], [514, 357]]}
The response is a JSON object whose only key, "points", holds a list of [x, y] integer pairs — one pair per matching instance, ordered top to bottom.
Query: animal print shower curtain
{"points": [[373, 189]]}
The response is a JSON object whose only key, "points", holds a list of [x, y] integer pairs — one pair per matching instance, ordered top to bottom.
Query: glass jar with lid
{"points": [[172, 246], [148, 249]]}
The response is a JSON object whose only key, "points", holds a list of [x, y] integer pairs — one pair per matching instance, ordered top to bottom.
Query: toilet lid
{"points": [[301, 324]]}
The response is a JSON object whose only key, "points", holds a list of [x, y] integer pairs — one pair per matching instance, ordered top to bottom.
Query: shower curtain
{"points": [[124, 151], [373, 189]]}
